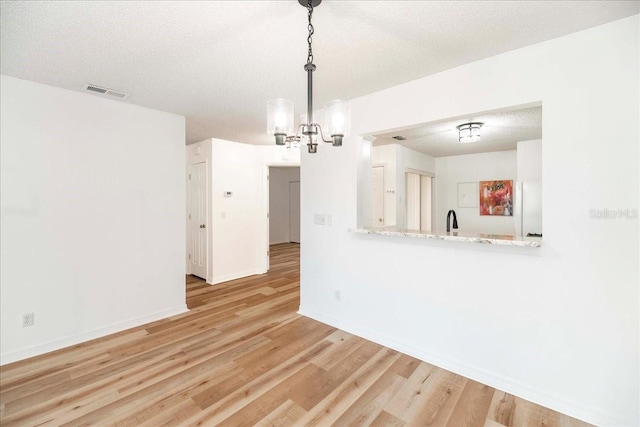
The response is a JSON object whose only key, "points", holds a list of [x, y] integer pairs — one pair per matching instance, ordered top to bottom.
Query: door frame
{"points": [[207, 202], [299, 204], [265, 205]]}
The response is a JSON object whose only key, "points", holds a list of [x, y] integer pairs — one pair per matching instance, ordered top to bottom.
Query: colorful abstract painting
{"points": [[496, 198]]}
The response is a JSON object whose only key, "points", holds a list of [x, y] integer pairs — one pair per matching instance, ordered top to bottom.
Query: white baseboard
{"points": [[279, 242], [214, 280], [68, 341], [574, 409]]}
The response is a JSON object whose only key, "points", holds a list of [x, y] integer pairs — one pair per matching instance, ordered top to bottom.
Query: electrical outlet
{"points": [[318, 219], [338, 296], [28, 319]]}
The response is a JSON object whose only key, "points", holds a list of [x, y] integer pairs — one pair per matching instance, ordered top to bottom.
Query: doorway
{"points": [[419, 188], [284, 205], [294, 211], [197, 219]]}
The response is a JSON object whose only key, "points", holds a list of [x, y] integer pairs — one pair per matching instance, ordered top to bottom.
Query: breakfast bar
{"points": [[455, 236]]}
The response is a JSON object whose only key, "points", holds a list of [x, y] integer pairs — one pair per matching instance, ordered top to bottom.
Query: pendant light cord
{"points": [[311, 31]]}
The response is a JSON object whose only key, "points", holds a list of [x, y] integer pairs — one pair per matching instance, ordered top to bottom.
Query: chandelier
{"points": [[280, 111], [469, 132]]}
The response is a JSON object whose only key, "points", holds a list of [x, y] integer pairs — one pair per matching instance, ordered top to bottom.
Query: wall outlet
{"points": [[318, 219], [338, 295], [28, 319]]}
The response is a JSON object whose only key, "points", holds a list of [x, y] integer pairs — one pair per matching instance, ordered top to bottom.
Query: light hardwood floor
{"points": [[243, 357]]}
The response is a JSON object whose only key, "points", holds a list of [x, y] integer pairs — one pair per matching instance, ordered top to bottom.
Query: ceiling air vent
{"points": [[105, 91], [399, 137]]}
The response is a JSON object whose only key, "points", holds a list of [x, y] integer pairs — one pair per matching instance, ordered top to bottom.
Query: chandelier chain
{"points": [[311, 31]]}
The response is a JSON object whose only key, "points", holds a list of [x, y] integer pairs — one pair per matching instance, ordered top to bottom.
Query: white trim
{"points": [[266, 172], [419, 172], [266, 212], [279, 243], [219, 279], [71, 340], [574, 409]]}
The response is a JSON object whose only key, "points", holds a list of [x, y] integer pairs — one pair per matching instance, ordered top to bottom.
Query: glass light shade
{"points": [[279, 116], [337, 118], [469, 132]]}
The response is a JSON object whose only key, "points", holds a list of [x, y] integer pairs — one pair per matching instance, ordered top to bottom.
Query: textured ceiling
{"points": [[218, 62], [501, 131]]}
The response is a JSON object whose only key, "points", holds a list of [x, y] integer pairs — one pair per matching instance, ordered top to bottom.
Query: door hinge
{"points": [[189, 176], [267, 177], [267, 214], [189, 216], [268, 253], [189, 256]]}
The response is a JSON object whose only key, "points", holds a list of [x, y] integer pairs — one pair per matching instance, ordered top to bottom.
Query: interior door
{"points": [[377, 177], [413, 201], [425, 203], [294, 211], [198, 219]]}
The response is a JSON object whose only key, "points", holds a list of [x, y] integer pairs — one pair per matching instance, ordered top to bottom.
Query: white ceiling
{"points": [[218, 62], [501, 131]]}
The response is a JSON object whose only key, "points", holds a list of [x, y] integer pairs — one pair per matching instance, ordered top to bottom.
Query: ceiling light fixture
{"points": [[280, 111], [469, 132]]}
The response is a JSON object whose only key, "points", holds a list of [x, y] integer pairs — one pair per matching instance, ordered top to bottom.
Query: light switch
{"points": [[318, 219]]}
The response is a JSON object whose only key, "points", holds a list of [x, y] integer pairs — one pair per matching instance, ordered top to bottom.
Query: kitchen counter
{"points": [[455, 236]]}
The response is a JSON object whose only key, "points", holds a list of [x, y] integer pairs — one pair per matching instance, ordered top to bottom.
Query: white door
{"points": [[419, 192], [378, 195], [413, 201], [425, 203], [294, 211], [198, 219]]}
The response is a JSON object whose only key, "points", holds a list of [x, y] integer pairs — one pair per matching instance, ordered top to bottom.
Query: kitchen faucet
{"points": [[455, 220]]}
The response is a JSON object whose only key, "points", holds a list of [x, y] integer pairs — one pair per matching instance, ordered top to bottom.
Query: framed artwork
{"points": [[467, 194], [496, 198]]}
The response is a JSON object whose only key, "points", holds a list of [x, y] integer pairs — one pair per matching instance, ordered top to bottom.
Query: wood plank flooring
{"points": [[243, 357]]}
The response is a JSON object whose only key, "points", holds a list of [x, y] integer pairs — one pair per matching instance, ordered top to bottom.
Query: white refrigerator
{"points": [[528, 208]]}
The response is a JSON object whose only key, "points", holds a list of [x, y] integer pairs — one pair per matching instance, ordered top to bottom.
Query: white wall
{"points": [[529, 158], [499, 165], [279, 209], [92, 217], [234, 224], [238, 227], [557, 325]]}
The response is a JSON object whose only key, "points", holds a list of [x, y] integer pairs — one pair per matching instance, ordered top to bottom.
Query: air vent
{"points": [[105, 91], [399, 137]]}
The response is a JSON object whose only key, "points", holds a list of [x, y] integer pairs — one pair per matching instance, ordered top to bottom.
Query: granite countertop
{"points": [[455, 236]]}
